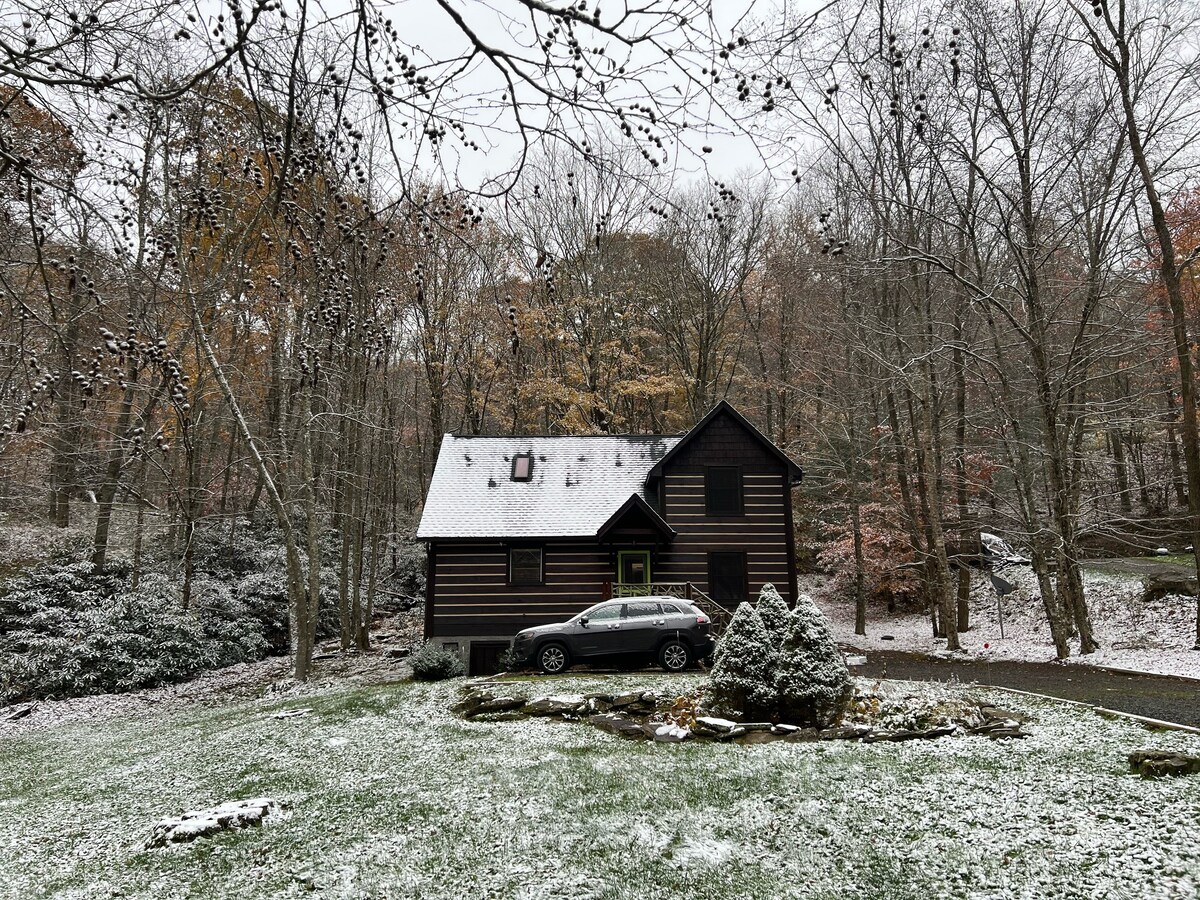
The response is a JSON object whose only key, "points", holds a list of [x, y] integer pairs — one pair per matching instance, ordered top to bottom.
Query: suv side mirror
{"points": [[583, 620]]}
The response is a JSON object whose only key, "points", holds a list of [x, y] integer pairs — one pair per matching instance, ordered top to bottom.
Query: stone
{"points": [[1165, 584], [398, 652], [857, 660], [629, 699], [481, 703], [555, 706], [995, 712], [292, 713], [13, 714], [618, 725], [714, 725], [1000, 728], [670, 733], [845, 733], [921, 734], [802, 736], [757, 737], [1160, 763], [195, 824]]}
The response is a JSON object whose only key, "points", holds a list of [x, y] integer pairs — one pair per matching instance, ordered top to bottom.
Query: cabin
{"points": [[528, 530]]}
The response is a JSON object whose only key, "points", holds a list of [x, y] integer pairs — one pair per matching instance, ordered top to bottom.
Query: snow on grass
{"points": [[1147, 637], [390, 796]]}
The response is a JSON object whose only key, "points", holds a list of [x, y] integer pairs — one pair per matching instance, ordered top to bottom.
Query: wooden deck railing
{"points": [[684, 590]]}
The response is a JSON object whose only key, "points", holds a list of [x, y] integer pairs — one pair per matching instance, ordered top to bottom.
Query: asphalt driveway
{"points": [[1156, 696]]}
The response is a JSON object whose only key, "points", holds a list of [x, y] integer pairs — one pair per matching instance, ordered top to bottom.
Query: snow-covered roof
{"points": [[577, 484]]}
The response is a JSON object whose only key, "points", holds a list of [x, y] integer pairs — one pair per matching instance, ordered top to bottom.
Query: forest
{"points": [[256, 258]]}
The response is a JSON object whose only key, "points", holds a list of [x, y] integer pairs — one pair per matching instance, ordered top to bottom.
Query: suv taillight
{"points": [[701, 619]]}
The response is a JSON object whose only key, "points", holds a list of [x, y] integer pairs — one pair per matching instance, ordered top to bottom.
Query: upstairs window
{"points": [[522, 467], [723, 491], [524, 565]]}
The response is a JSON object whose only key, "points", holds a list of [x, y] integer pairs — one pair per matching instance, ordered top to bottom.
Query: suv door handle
{"points": [[660, 621]]}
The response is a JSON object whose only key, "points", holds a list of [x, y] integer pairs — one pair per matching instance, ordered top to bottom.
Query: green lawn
{"points": [[393, 797]]}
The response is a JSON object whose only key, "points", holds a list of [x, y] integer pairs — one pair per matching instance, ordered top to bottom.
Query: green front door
{"points": [[633, 566]]}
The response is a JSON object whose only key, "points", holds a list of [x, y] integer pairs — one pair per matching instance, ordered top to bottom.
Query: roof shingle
{"points": [[577, 484]]}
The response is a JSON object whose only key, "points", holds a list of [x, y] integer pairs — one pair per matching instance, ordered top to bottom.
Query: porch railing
{"points": [[684, 590]]}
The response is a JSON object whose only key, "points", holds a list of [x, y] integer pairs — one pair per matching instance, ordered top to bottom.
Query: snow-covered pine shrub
{"points": [[774, 612], [433, 663], [811, 680], [740, 683]]}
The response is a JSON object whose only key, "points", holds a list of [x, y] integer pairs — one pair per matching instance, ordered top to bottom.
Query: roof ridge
{"points": [[509, 437]]}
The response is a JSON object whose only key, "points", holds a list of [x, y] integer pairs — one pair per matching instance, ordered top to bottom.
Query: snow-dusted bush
{"points": [[251, 560], [407, 579], [774, 612], [66, 630], [432, 663], [811, 679], [740, 684]]}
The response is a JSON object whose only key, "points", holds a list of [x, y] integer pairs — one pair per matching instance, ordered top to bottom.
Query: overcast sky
{"points": [[431, 29]]}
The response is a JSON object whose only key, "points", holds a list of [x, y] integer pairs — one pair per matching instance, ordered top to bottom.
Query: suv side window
{"points": [[671, 609], [640, 610], [605, 613]]}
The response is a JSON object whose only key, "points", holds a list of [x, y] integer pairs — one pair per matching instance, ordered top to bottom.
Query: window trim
{"points": [[741, 493], [623, 554], [541, 564]]}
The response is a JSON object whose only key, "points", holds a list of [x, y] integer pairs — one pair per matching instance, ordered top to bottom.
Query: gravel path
{"points": [[1156, 696]]}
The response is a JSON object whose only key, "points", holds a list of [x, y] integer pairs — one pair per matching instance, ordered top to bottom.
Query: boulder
{"points": [[1165, 584], [481, 703], [555, 706], [14, 713], [292, 713], [618, 725], [711, 725], [1000, 728], [670, 733], [845, 733], [802, 736], [1159, 763], [195, 824]]}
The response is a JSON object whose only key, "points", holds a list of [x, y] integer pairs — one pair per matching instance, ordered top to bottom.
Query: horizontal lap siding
{"points": [[762, 533], [473, 596]]}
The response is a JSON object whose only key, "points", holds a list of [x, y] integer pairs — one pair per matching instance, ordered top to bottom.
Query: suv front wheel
{"points": [[675, 656], [553, 659]]}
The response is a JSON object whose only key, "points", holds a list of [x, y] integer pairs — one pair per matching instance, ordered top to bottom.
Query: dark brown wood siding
{"points": [[763, 532], [469, 580], [473, 597]]}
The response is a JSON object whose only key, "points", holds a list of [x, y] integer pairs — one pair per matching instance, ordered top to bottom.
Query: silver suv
{"points": [[668, 629]]}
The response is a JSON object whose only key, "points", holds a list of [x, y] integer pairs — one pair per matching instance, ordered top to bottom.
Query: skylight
{"points": [[522, 467]]}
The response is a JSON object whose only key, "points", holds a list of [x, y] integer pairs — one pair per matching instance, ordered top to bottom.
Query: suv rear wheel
{"points": [[675, 656], [553, 659]]}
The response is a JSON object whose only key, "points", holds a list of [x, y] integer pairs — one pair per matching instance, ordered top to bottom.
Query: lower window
{"points": [[727, 576]]}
